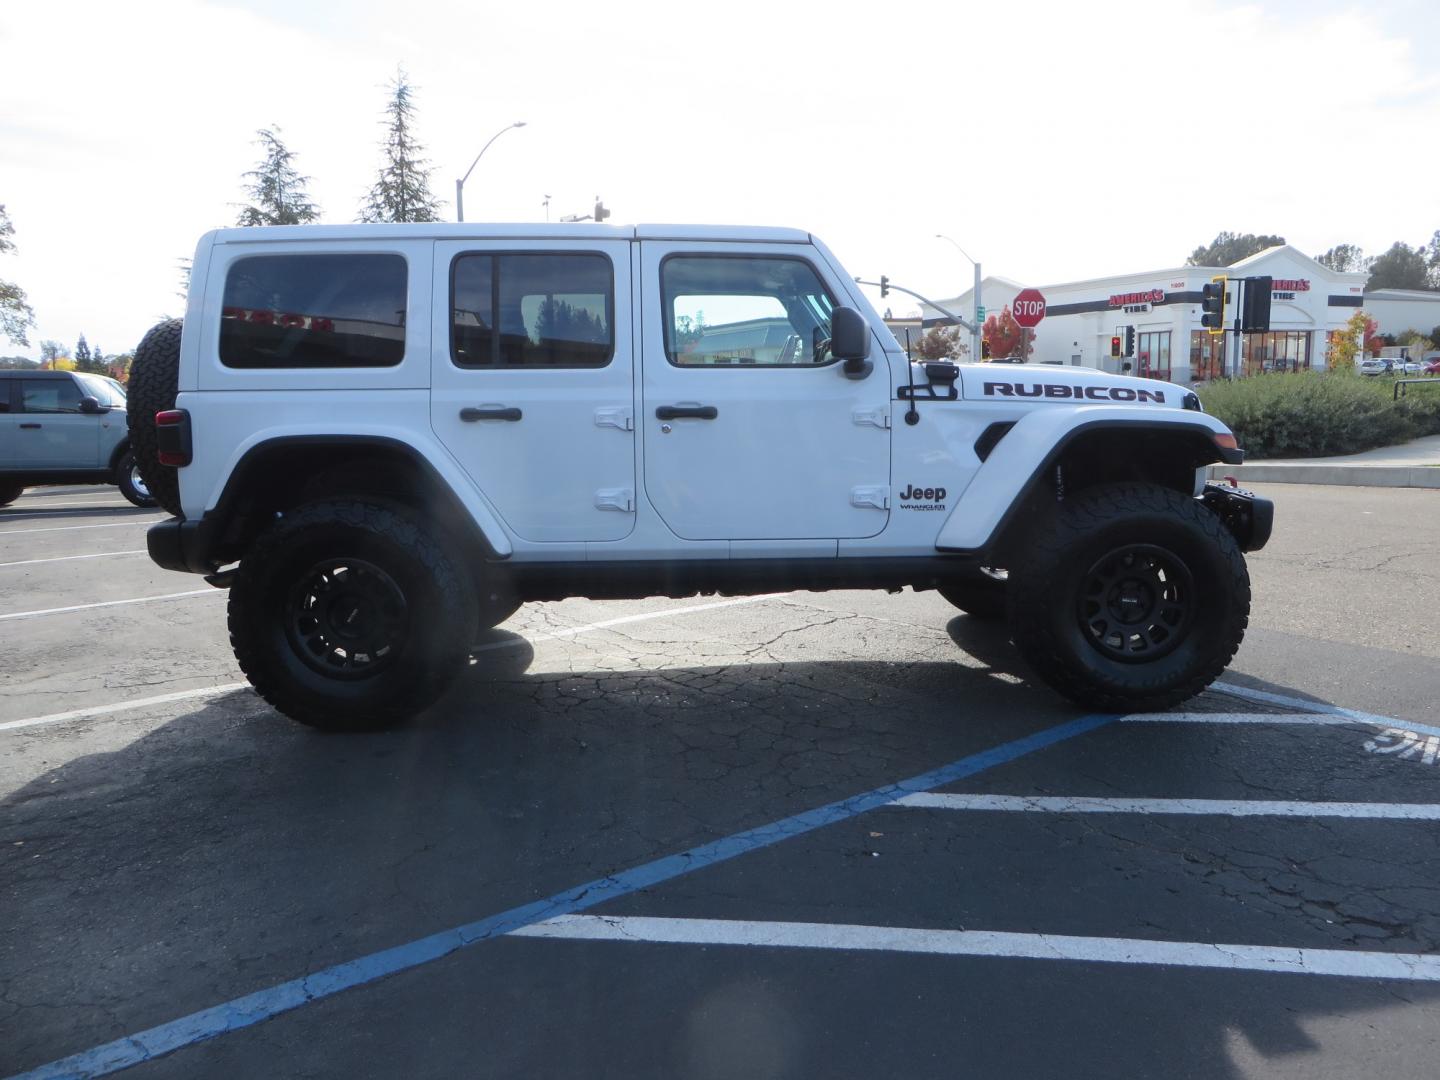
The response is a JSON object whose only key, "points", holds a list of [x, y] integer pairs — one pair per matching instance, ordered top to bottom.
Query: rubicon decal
{"points": [[1064, 392], [915, 497]]}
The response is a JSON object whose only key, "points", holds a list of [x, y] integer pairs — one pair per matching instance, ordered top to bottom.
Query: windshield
{"points": [[104, 390]]}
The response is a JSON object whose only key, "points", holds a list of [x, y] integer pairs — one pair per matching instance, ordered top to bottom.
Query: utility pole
{"points": [[975, 330]]}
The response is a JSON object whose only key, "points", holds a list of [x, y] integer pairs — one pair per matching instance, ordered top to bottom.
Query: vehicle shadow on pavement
{"points": [[988, 642], [230, 849]]}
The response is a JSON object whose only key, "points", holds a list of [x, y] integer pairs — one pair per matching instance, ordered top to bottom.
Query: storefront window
{"points": [[1283, 350], [1152, 355], [1207, 356]]}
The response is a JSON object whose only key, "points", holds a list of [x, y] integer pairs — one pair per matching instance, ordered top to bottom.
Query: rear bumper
{"points": [[1248, 517], [186, 546]]}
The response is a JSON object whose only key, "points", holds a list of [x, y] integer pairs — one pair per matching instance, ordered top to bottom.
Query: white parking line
{"points": [[17, 509], [76, 528], [69, 558], [109, 603], [644, 616], [511, 643], [122, 706], [1332, 716], [1309, 719], [1219, 807], [1345, 963]]}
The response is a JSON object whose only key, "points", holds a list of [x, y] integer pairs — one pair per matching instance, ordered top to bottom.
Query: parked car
{"points": [[1372, 365], [1432, 367], [65, 427]]}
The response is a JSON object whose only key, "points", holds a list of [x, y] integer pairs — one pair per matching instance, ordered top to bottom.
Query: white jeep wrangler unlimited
{"points": [[401, 433]]}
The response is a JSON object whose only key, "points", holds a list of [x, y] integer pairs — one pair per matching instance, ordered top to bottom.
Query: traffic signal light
{"points": [[600, 212], [884, 286], [1212, 305], [1255, 305], [1129, 341], [1115, 346]]}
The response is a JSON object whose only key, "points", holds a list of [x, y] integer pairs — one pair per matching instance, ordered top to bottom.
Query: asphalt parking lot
{"points": [[791, 836]]}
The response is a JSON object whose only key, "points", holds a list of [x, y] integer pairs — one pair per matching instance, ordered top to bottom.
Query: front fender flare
{"points": [[1024, 457]]}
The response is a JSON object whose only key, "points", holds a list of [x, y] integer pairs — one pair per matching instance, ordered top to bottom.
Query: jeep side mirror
{"points": [[850, 342], [91, 406]]}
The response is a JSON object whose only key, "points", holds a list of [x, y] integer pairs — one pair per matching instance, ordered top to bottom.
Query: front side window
{"points": [[305, 311], [526, 311], [723, 311], [49, 396]]}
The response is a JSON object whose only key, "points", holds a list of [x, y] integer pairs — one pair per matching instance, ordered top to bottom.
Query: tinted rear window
{"points": [[283, 311]]}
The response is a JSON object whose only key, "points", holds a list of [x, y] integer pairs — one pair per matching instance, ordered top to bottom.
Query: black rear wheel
{"points": [[131, 483], [10, 492], [1134, 597], [348, 615]]}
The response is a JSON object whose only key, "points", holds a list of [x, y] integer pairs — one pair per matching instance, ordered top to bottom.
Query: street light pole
{"points": [[460, 184], [976, 351]]}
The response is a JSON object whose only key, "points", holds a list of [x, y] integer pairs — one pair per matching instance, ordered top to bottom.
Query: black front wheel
{"points": [[10, 492], [1134, 597], [981, 598], [348, 615]]}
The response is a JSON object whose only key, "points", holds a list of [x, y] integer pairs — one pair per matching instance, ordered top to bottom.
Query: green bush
{"points": [[1312, 414]]}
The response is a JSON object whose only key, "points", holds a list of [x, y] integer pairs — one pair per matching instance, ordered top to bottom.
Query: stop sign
{"points": [[1029, 307]]}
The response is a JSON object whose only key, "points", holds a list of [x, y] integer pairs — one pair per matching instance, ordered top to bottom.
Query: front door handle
{"points": [[691, 412], [469, 415], [35, 427]]}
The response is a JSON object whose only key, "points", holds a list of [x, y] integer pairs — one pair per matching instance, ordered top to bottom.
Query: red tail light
{"points": [[172, 437]]}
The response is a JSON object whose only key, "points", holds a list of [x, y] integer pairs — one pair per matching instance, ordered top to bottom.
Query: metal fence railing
{"points": [[1401, 384]]}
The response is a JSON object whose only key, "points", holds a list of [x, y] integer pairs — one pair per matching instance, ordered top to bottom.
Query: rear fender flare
{"points": [[428, 456]]}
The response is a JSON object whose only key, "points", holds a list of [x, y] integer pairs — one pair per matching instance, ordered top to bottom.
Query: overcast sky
{"points": [[1054, 141]]}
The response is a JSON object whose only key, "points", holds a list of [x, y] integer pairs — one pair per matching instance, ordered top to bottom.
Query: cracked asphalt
{"points": [[160, 860]]}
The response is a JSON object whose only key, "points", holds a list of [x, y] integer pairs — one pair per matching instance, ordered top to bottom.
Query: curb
{"points": [[1413, 476]]}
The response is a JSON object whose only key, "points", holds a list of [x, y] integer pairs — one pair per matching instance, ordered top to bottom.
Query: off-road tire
{"points": [[154, 375], [125, 481], [10, 492], [1060, 560], [980, 598], [439, 604], [494, 607]]}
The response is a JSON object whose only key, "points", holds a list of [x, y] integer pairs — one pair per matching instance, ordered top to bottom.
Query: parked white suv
{"points": [[385, 438]]}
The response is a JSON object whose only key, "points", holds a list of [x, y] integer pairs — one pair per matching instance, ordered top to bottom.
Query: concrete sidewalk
{"points": [[1412, 464]]}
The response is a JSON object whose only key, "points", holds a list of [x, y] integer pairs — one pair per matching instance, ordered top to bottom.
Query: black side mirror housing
{"points": [[850, 342], [91, 406]]}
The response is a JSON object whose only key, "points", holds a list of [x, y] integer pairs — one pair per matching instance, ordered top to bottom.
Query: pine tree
{"points": [[276, 190], [402, 190], [16, 316], [83, 359], [98, 359]]}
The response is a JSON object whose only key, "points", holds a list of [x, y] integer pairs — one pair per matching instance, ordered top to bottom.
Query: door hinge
{"points": [[616, 416], [874, 417], [876, 495], [621, 499]]}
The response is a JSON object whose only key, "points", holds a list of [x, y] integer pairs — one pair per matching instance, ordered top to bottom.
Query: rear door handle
{"points": [[692, 412], [471, 414], [34, 426]]}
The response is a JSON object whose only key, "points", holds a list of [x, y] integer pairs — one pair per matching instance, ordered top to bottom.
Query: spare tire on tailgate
{"points": [[154, 375]]}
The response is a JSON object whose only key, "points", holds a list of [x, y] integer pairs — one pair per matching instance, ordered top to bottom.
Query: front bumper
{"points": [[1248, 517]]}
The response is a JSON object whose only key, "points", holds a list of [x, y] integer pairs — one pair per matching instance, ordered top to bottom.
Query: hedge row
{"points": [[1313, 414]]}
